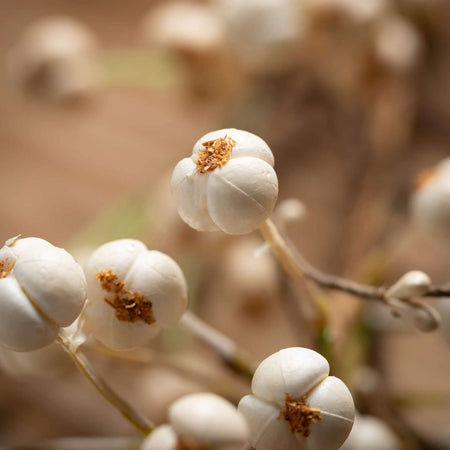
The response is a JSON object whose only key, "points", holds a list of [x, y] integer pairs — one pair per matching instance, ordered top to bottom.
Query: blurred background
{"points": [[99, 101]]}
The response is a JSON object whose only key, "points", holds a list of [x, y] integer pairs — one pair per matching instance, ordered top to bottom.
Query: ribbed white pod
{"points": [[54, 57], [236, 197], [149, 273], [42, 288], [302, 375], [204, 419], [371, 433]]}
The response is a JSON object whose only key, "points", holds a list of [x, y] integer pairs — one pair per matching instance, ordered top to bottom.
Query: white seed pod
{"points": [[185, 26], [259, 32], [398, 44], [54, 57], [227, 184], [430, 203], [291, 211], [412, 284], [42, 288], [133, 292], [442, 305], [415, 314], [295, 404], [208, 419], [199, 420], [371, 433], [162, 438]]}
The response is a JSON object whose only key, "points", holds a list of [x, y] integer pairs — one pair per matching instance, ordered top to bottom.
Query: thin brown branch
{"points": [[298, 268], [139, 422]]}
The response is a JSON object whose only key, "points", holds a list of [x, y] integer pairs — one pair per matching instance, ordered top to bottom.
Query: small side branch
{"points": [[299, 268], [227, 349], [139, 422]]}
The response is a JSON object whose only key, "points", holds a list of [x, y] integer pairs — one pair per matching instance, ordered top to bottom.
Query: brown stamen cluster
{"points": [[215, 154], [5, 268], [130, 306], [299, 415], [189, 443]]}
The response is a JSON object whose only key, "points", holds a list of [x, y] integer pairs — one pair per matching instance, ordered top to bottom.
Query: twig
{"points": [[298, 268], [235, 357], [138, 421]]}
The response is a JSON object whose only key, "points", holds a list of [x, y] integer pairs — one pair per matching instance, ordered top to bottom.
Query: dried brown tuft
{"points": [[215, 154], [5, 268], [130, 306], [299, 415]]}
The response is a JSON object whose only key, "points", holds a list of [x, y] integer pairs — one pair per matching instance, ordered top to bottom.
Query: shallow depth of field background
{"points": [[350, 134]]}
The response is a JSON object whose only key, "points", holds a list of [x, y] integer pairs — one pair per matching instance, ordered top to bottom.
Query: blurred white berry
{"points": [[185, 26], [260, 32], [397, 43], [54, 57], [227, 184], [430, 203], [291, 211], [413, 284], [42, 288], [133, 292], [443, 307], [295, 404], [201, 420], [371, 433]]}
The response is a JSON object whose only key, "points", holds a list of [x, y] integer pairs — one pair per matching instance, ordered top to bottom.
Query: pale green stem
{"points": [[237, 358], [139, 422]]}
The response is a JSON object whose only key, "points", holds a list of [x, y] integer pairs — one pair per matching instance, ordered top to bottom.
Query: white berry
{"points": [[227, 184], [42, 288], [133, 292], [295, 404], [201, 419]]}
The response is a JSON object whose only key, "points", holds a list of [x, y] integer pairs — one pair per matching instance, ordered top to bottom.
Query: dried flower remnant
{"points": [[216, 153], [236, 199], [5, 268], [42, 289], [133, 293], [130, 306], [291, 391], [299, 415]]}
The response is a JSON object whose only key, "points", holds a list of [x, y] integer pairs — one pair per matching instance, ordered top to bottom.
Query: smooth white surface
{"points": [[235, 198], [151, 273], [413, 284], [45, 289], [22, 328], [292, 371], [300, 373], [209, 419], [371, 433], [162, 438]]}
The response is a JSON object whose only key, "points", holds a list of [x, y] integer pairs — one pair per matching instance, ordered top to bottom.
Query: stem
{"points": [[299, 268], [235, 357], [139, 422]]}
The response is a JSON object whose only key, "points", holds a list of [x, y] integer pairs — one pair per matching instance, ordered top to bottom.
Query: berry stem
{"points": [[235, 357], [139, 422]]}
